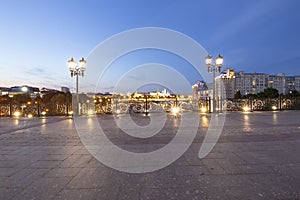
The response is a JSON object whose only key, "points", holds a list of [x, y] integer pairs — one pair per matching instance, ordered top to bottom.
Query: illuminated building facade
{"points": [[278, 82], [251, 83], [226, 87], [34, 92]]}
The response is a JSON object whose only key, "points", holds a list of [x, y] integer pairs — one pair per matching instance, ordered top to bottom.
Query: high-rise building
{"points": [[239, 82], [259, 82], [278, 82], [250, 83], [254, 83], [297, 83], [225, 84], [289, 84]]}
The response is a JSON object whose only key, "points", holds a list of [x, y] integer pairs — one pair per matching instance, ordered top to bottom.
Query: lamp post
{"points": [[213, 67], [77, 70], [11, 96], [37, 102], [146, 104]]}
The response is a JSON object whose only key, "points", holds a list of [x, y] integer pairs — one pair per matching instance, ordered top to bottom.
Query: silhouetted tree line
{"points": [[270, 93], [51, 97]]}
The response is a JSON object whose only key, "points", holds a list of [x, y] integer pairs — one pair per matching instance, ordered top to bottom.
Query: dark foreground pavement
{"points": [[257, 157]]}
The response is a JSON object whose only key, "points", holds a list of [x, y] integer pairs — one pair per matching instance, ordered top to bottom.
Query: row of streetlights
{"points": [[213, 66]]}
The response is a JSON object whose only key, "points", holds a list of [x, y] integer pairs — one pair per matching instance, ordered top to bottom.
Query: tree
{"points": [[271, 93], [293, 93], [238, 95], [261, 95], [253, 96], [47, 97], [21, 98], [58, 98], [4, 99]]}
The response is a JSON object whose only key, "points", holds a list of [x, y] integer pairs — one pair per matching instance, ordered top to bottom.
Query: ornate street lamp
{"points": [[213, 67], [77, 71]]}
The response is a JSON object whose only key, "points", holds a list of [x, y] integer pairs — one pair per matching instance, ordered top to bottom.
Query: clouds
{"points": [[250, 16], [258, 34], [34, 76]]}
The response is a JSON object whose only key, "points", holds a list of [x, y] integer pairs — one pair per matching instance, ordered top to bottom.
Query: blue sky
{"points": [[37, 37]]}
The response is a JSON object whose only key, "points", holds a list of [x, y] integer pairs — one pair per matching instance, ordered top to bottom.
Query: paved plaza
{"points": [[256, 157]]}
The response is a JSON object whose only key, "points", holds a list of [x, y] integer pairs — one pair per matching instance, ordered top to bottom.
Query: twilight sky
{"points": [[37, 37]]}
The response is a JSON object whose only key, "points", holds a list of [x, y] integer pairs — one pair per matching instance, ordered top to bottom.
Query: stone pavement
{"points": [[257, 157]]}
